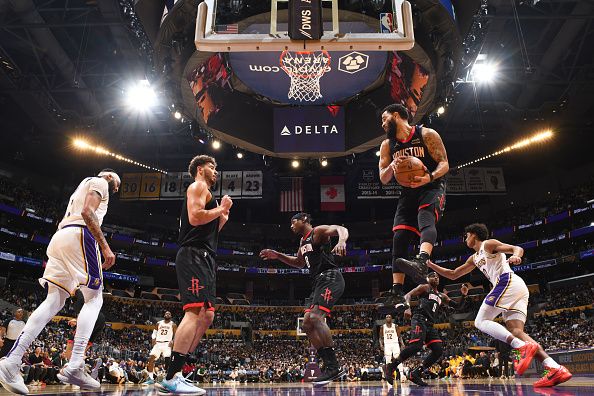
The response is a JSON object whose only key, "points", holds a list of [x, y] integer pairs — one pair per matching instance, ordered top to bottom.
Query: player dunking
{"points": [[420, 206], [200, 222], [316, 253], [74, 261], [508, 297], [421, 326], [162, 339], [391, 343]]}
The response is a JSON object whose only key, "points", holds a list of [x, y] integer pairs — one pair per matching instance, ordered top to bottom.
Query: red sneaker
{"points": [[524, 356], [553, 376]]}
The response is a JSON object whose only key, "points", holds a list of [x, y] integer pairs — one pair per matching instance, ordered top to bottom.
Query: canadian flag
{"points": [[332, 193]]}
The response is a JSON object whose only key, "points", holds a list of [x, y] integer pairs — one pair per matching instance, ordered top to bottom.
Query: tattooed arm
{"points": [[437, 151], [386, 164], [92, 201]]}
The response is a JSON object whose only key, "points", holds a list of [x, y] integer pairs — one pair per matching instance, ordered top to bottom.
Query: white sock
{"points": [[52, 304], [84, 325], [517, 343], [550, 362]]}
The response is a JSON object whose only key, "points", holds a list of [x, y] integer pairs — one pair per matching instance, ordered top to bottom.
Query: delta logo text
{"points": [[309, 130]]}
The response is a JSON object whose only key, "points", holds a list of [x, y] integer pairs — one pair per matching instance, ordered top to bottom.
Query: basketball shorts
{"points": [[414, 199], [73, 260], [197, 277], [327, 288], [510, 295], [423, 331], [161, 348], [391, 351]]}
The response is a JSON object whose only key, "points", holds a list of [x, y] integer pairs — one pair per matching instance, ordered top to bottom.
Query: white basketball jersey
{"points": [[77, 201], [492, 265], [164, 331], [390, 335]]}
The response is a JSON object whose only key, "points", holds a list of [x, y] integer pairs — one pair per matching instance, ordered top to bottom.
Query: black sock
{"points": [[424, 255], [397, 289], [176, 364]]}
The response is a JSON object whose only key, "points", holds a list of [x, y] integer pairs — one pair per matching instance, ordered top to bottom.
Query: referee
{"points": [[10, 331]]}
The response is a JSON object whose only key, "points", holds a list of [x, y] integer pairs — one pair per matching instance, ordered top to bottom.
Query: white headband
{"points": [[113, 174]]}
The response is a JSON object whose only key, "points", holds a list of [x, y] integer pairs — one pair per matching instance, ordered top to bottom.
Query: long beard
{"points": [[112, 186]]}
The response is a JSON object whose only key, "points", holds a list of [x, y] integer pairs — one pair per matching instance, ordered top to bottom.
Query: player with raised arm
{"points": [[421, 205], [200, 222], [316, 253], [74, 261], [509, 297], [421, 325]]}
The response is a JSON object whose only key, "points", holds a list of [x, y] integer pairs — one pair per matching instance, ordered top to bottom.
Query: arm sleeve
{"points": [[99, 185], [154, 335]]}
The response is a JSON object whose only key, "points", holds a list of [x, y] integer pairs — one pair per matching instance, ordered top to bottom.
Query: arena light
{"points": [[484, 72], [141, 96], [440, 110], [177, 115], [537, 138], [216, 144], [84, 145], [377, 153], [239, 155], [324, 162], [295, 164]]}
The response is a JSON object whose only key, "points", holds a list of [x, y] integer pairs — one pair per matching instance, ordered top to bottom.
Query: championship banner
{"points": [[478, 181], [369, 186], [332, 193]]}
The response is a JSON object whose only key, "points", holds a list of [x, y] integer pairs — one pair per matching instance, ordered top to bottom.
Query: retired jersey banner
{"points": [[332, 193]]}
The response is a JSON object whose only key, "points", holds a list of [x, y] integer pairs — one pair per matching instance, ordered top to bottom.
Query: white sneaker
{"points": [[78, 377], [11, 378], [179, 385]]}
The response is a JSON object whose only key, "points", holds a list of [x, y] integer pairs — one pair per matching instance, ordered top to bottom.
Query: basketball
{"points": [[408, 169]]}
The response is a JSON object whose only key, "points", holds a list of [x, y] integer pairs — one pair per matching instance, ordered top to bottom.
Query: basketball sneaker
{"points": [[415, 268], [393, 304], [524, 356], [96, 367], [329, 375], [77, 376], [415, 376], [553, 376], [11, 378], [179, 386]]}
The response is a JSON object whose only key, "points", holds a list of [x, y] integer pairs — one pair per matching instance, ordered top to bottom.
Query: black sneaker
{"points": [[415, 268], [394, 304], [328, 376], [415, 376]]}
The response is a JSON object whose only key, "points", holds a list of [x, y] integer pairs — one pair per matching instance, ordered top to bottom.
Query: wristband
{"points": [[430, 177]]}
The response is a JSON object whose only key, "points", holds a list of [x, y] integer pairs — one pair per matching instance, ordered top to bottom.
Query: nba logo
{"points": [[386, 24]]}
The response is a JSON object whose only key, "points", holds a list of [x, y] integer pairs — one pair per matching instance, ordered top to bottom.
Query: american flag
{"points": [[227, 29], [291, 194]]}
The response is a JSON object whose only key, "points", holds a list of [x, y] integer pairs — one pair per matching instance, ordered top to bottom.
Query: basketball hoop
{"points": [[305, 68]]}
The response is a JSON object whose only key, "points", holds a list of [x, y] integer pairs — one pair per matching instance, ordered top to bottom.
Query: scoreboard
{"points": [[173, 185]]}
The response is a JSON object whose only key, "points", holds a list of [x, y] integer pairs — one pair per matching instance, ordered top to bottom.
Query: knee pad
{"points": [[426, 219]]}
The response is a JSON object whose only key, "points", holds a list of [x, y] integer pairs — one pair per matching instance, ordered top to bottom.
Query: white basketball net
{"points": [[305, 70]]}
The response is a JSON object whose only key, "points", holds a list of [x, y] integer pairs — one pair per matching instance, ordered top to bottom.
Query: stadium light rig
{"points": [[538, 138], [83, 145]]}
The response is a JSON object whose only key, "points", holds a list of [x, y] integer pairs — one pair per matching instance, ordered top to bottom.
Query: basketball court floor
{"points": [[576, 386]]}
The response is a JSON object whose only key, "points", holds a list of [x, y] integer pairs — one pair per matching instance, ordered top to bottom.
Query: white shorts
{"points": [[74, 260], [510, 295], [161, 348], [391, 351]]}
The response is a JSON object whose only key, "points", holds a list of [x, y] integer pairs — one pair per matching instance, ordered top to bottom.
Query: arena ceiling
{"points": [[64, 65]]}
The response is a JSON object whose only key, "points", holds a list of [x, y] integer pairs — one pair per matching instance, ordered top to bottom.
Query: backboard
{"points": [[262, 25]]}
